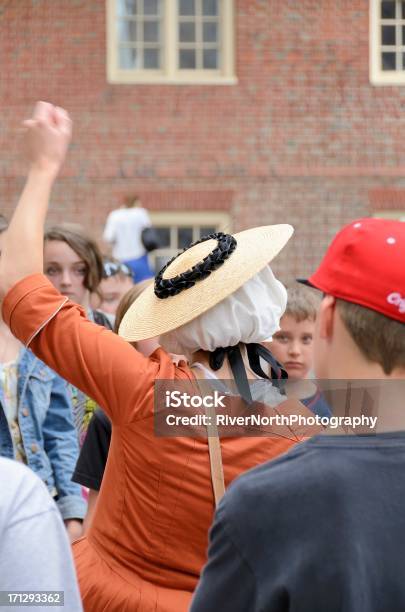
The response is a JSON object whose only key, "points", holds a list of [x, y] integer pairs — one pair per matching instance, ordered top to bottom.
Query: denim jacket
{"points": [[47, 430]]}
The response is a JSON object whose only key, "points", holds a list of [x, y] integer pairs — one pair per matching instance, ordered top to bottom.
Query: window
{"points": [[170, 41], [387, 42], [179, 230]]}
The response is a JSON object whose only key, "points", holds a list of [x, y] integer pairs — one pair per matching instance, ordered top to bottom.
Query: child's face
{"points": [[292, 346]]}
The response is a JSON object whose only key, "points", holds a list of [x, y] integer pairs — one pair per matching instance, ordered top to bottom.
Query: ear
{"points": [[326, 316]]}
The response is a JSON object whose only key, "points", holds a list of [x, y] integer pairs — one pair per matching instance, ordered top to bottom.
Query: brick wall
{"points": [[302, 138]]}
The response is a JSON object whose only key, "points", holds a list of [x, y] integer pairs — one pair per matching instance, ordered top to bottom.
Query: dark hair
{"points": [[86, 248], [379, 338]]}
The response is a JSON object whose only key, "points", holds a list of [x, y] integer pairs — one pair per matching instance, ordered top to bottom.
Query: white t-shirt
{"points": [[124, 228], [35, 554]]}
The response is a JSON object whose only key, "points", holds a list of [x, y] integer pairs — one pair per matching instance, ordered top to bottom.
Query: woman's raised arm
{"points": [[46, 139]]}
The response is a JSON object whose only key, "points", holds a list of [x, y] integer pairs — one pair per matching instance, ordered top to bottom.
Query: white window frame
{"points": [[170, 74], [377, 75], [397, 215], [195, 219]]}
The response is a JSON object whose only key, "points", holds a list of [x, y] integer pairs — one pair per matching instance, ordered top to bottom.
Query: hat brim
{"points": [[150, 316]]}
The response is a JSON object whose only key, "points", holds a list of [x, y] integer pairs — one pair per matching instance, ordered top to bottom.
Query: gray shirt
{"points": [[35, 553]]}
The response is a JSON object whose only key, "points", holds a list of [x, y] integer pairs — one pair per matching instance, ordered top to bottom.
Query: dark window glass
{"points": [[150, 7], [187, 7], [210, 7], [388, 10], [403, 10], [151, 31], [187, 31], [210, 32], [388, 35], [403, 35], [151, 58], [187, 59], [210, 59], [388, 61], [204, 231], [164, 236], [184, 237]]}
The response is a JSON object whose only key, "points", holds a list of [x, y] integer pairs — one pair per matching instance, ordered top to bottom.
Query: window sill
{"points": [[162, 80]]}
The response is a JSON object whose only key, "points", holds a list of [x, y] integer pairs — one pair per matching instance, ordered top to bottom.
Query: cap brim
{"points": [[305, 281]]}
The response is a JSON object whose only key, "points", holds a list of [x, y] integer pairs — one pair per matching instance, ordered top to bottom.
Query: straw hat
{"points": [[151, 316]]}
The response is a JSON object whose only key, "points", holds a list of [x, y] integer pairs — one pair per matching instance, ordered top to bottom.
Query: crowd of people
{"points": [[292, 518]]}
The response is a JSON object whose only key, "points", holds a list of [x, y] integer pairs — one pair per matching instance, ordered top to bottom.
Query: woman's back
{"points": [[157, 522]]}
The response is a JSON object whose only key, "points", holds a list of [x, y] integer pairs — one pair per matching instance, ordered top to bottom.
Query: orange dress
{"points": [[149, 537]]}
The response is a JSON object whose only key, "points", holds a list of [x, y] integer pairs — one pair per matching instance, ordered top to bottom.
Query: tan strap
{"points": [[214, 448]]}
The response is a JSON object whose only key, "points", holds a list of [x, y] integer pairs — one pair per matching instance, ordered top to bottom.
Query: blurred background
{"points": [[217, 114]]}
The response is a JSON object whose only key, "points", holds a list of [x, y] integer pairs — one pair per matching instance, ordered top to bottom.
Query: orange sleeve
{"points": [[92, 358]]}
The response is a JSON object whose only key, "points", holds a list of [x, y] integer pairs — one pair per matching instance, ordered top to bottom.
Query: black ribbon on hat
{"points": [[167, 287], [254, 352]]}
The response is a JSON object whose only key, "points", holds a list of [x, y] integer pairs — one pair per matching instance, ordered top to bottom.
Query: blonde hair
{"points": [[128, 299], [301, 303]]}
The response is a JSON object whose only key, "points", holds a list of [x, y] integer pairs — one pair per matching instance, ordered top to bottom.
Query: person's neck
{"points": [[382, 393]]}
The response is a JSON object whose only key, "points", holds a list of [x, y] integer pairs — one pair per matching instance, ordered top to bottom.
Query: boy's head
{"points": [[116, 281], [360, 329], [292, 345]]}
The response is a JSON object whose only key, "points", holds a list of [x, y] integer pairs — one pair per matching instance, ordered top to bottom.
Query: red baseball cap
{"points": [[365, 264]]}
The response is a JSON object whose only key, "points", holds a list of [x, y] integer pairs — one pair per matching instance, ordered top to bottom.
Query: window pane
{"points": [[127, 7], [151, 7], [187, 7], [210, 7], [388, 10], [403, 10], [126, 31], [151, 31], [187, 31], [210, 32], [388, 35], [403, 35], [128, 58], [187, 58], [151, 59], [210, 59], [388, 61], [403, 61], [205, 231], [164, 236], [184, 236]]}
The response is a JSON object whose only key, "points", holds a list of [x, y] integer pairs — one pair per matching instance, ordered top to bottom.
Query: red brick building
{"points": [[240, 112]]}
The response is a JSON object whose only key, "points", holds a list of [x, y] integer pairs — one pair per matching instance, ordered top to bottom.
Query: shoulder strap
{"points": [[101, 319], [214, 449]]}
